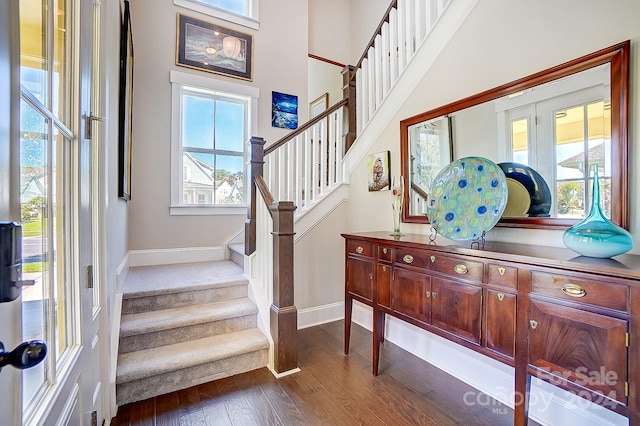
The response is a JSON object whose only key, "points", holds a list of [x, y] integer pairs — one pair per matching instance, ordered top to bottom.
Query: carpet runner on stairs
{"points": [[184, 325]]}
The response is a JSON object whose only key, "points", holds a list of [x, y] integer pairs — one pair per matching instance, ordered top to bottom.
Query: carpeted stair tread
{"points": [[144, 281], [147, 322], [151, 362]]}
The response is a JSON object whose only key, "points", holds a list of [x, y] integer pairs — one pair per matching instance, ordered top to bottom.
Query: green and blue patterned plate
{"points": [[467, 198]]}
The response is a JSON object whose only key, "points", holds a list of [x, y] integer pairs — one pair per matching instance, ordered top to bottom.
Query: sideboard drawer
{"points": [[360, 248], [385, 253], [413, 257], [461, 268], [506, 276], [589, 291]]}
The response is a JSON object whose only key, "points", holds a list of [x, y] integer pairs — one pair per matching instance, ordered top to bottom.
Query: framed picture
{"points": [[208, 47], [318, 105], [125, 108], [284, 110], [378, 167]]}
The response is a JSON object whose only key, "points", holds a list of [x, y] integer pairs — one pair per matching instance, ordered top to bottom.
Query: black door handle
{"points": [[25, 355]]}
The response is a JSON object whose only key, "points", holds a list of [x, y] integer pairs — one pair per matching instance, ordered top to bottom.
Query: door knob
{"points": [[25, 355]]}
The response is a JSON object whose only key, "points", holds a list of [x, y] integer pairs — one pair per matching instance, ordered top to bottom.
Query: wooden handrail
{"points": [[277, 144], [264, 190], [419, 190]]}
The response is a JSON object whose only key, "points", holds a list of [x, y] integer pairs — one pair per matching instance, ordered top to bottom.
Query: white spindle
{"points": [[421, 26], [409, 28], [402, 36], [393, 46], [379, 57], [386, 59], [371, 86], [360, 118], [331, 141], [322, 145], [299, 164], [307, 171], [281, 175]]}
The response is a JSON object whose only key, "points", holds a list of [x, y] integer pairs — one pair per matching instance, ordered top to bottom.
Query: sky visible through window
{"points": [[235, 6], [214, 124]]}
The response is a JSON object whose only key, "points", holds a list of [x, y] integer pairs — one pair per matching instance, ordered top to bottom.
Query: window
{"points": [[242, 12], [211, 123], [563, 138], [48, 314]]}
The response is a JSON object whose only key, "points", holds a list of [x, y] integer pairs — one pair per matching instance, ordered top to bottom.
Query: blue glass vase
{"points": [[595, 235]]}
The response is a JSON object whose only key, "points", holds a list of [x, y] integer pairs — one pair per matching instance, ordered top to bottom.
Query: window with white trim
{"points": [[242, 12], [211, 124]]}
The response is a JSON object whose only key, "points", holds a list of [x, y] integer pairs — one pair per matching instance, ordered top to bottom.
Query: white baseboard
{"points": [[175, 255], [317, 315], [549, 405]]}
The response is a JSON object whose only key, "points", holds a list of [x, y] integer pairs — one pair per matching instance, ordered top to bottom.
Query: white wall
{"points": [[494, 47], [279, 64]]}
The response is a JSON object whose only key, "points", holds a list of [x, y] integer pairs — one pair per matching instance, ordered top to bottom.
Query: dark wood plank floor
{"points": [[331, 389]]}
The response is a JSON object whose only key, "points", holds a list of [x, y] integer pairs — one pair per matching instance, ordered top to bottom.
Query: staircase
{"points": [[183, 325]]}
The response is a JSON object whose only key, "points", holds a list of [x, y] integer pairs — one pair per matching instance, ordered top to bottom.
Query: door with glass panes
{"points": [[49, 189]]}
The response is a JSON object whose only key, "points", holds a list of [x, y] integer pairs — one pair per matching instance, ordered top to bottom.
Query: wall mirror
{"points": [[547, 131]]}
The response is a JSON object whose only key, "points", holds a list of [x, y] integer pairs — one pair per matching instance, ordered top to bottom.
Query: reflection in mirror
{"points": [[546, 131], [431, 150]]}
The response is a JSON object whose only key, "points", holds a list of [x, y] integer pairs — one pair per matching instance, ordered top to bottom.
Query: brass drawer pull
{"points": [[359, 250], [384, 250], [408, 258], [433, 259], [384, 267], [461, 269], [501, 270], [370, 276], [574, 290], [428, 293], [434, 294], [501, 296], [533, 323]]}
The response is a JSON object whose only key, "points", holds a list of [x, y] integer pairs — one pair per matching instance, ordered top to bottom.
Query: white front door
{"points": [[49, 187]]}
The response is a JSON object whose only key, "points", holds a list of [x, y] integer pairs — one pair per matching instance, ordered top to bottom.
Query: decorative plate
{"points": [[535, 184], [467, 198], [519, 199]]}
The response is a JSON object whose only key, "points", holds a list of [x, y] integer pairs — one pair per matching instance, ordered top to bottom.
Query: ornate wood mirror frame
{"points": [[617, 57]]}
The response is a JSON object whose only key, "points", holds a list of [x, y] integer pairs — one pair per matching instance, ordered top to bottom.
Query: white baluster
{"points": [[393, 46]]}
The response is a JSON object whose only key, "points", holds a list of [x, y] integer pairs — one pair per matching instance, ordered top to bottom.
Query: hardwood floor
{"points": [[331, 389]]}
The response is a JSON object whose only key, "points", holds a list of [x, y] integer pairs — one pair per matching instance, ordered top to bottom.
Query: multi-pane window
{"points": [[211, 122], [213, 136], [46, 187]]}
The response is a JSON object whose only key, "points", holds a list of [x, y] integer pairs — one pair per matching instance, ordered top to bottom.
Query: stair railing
{"points": [[400, 32], [296, 172]]}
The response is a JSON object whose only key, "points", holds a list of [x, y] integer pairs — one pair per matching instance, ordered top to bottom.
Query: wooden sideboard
{"points": [[570, 320]]}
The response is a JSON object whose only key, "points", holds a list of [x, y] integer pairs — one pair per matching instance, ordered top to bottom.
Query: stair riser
{"points": [[237, 258], [187, 298], [184, 334], [181, 379]]}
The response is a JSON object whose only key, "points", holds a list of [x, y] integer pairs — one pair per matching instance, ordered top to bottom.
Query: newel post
{"points": [[349, 92], [257, 166], [284, 315]]}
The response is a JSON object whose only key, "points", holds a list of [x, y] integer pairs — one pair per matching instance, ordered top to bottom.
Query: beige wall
{"points": [[339, 30], [493, 47], [280, 64]]}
